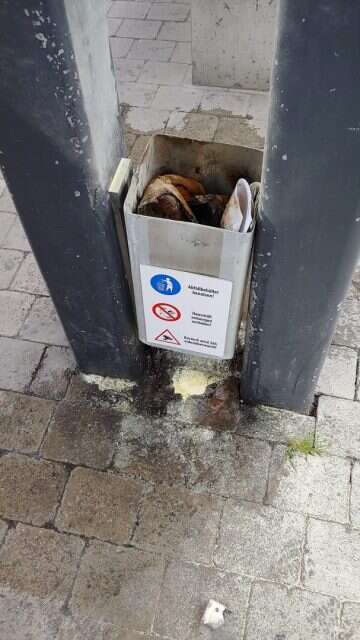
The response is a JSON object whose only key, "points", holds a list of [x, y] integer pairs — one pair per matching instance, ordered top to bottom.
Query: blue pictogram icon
{"points": [[167, 285]]}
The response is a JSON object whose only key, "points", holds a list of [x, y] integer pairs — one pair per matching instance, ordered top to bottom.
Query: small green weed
{"points": [[305, 446]]}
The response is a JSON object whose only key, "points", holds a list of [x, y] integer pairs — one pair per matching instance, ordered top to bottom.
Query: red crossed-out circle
{"points": [[165, 311]]}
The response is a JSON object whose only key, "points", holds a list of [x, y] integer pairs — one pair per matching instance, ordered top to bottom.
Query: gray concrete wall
{"points": [[233, 42]]}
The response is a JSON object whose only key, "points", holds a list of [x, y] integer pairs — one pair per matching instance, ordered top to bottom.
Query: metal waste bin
{"points": [[189, 279]]}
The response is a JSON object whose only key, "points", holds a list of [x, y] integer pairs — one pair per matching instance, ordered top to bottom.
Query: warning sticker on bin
{"points": [[199, 310], [166, 312], [168, 337]]}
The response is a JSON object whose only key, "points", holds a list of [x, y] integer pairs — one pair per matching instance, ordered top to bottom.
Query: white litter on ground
{"points": [[190, 382], [118, 385], [214, 615]]}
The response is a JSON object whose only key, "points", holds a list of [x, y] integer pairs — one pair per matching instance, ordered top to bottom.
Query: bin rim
{"points": [[193, 224]]}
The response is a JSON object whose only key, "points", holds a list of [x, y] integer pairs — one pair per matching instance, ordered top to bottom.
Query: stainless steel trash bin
{"points": [[189, 279]]}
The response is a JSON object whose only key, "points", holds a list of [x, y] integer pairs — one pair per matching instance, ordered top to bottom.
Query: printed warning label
{"points": [[199, 309], [166, 312], [168, 337]]}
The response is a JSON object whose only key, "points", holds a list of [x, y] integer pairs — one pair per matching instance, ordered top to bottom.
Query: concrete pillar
{"points": [[233, 42], [60, 142], [308, 235]]}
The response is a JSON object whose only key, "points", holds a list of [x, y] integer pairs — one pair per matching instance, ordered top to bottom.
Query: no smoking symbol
{"points": [[166, 312]]}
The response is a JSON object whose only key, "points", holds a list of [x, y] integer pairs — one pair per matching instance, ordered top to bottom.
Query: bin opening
{"points": [[180, 198], [189, 279]]}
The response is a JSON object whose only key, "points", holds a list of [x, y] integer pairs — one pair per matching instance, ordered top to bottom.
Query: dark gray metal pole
{"points": [[60, 143], [308, 237]]}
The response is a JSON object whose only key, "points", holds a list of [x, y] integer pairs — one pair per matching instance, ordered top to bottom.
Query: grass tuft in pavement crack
{"points": [[305, 446]]}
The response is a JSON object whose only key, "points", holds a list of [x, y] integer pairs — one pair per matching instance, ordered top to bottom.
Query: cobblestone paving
{"points": [[119, 525]]}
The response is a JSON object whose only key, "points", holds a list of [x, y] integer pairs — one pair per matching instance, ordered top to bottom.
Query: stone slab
{"points": [[129, 9], [178, 12], [113, 25], [139, 28], [178, 31], [233, 43], [120, 47], [157, 50], [182, 53], [127, 71], [168, 73], [135, 94], [188, 99], [223, 103], [146, 120], [196, 126], [241, 131], [6, 202], [6, 222], [16, 237], [9, 263], [29, 278], [14, 307], [43, 324], [347, 331], [19, 360], [338, 374], [52, 378], [80, 390], [217, 408], [23, 421], [338, 424], [276, 425], [82, 435], [150, 449], [202, 459], [226, 464], [314, 485], [30, 489], [355, 496], [100, 505], [178, 522], [3, 530], [260, 541], [332, 560], [39, 563], [118, 585], [185, 593], [278, 613], [23, 617], [350, 622], [87, 629]]}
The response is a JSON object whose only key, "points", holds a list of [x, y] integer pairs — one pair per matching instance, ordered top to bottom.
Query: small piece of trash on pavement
{"points": [[214, 615]]}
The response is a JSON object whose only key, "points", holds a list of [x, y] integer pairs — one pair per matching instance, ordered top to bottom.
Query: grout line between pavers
{"points": [[24, 254], [32, 293], [16, 336], [43, 342], [36, 370], [357, 376], [46, 430], [352, 464], [148, 490], [61, 496], [265, 500], [11, 524], [218, 532], [87, 540], [301, 578], [158, 599], [66, 604], [247, 612], [339, 615]]}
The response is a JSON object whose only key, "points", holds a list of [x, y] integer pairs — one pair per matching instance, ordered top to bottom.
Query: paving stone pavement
{"points": [[116, 524]]}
